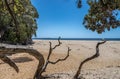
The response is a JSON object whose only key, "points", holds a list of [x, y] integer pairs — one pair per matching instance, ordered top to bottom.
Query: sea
{"points": [[85, 39]]}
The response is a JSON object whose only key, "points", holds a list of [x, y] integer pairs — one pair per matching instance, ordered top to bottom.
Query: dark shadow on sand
{"points": [[22, 59]]}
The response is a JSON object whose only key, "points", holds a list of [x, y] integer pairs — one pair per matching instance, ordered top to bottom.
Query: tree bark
{"points": [[4, 51], [10, 51], [50, 52], [76, 76]]}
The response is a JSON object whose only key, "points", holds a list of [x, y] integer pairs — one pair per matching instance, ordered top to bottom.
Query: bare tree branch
{"points": [[59, 43], [33, 52], [50, 52], [61, 59], [88, 59], [9, 61], [41, 66]]}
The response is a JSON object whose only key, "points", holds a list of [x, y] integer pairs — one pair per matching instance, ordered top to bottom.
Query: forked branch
{"points": [[59, 43], [50, 52], [88, 59], [51, 62], [42, 64]]}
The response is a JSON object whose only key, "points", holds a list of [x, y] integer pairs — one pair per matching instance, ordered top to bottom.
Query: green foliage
{"points": [[102, 15], [18, 22], [11, 36]]}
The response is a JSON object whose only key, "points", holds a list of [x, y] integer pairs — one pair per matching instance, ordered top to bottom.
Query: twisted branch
{"points": [[59, 43], [5, 51], [50, 52], [88, 59], [7, 60], [51, 62], [41, 66]]}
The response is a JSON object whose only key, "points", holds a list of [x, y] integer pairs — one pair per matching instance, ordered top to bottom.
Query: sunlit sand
{"points": [[106, 66]]}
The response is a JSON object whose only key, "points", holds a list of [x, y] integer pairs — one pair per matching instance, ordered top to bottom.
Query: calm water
{"points": [[89, 39]]}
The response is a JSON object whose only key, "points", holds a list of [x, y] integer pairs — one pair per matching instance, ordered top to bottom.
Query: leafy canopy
{"points": [[102, 15], [17, 21]]}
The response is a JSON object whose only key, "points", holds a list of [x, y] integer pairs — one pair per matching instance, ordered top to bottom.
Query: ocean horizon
{"points": [[88, 39]]}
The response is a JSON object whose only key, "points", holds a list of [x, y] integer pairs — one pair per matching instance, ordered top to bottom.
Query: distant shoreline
{"points": [[86, 39]]}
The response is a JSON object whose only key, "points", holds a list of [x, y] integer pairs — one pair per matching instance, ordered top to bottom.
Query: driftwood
{"points": [[4, 51], [76, 76]]}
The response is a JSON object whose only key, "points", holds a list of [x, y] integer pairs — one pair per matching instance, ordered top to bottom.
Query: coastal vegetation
{"points": [[102, 15], [18, 18], [17, 21], [18, 25]]}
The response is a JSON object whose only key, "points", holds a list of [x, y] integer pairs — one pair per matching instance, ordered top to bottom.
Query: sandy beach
{"points": [[106, 66]]}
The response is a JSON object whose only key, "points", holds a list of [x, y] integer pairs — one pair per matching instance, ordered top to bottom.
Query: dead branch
{"points": [[59, 43], [33, 52], [50, 52], [61, 59], [88, 59], [7, 60], [41, 66]]}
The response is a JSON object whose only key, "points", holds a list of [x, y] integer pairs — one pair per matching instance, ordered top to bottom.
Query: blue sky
{"points": [[63, 18]]}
